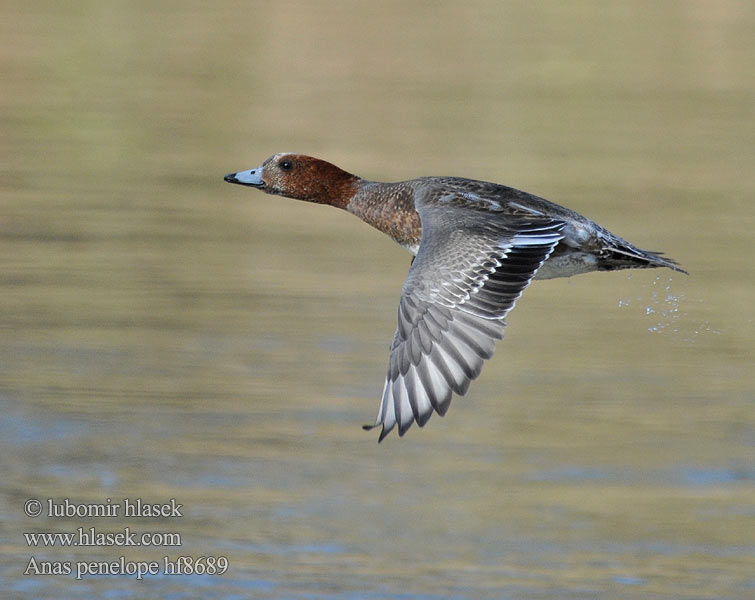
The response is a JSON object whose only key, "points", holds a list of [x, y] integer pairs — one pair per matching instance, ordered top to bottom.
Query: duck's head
{"points": [[300, 177]]}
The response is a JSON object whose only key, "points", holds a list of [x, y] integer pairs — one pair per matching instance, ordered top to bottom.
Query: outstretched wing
{"points": [[474, 261]]}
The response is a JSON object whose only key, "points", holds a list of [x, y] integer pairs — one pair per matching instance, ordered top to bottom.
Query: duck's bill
{"points": [[251, 178]]}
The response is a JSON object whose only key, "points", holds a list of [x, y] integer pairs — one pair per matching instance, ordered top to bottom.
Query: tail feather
{"points": [[627, 256]]}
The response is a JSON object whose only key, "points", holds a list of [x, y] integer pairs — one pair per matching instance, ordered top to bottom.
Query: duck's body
{"points": [[477, 245]]}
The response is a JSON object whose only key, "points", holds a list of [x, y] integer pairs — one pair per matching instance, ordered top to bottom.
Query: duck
{"points": [[476, 246]]}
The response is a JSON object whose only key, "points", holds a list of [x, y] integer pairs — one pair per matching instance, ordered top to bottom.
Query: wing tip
{"points": [[383, 432]]}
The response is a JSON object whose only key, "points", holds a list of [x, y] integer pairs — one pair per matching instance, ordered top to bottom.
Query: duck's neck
{"points": [[324, 184], [389, 207]]}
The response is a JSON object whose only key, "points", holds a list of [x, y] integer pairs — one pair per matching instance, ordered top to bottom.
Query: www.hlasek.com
{"points": [[89, 536]]}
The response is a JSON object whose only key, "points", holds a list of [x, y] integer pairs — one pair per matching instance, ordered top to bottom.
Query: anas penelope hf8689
{"points": [[476, 246]]}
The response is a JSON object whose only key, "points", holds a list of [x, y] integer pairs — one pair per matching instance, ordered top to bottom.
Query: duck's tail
{"points": [[620, 254]]}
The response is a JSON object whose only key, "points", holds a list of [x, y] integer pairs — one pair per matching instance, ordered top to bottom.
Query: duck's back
{"points": [[585, 247]]}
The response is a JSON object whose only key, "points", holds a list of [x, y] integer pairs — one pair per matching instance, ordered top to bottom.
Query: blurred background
{"points": [[166, 335]]}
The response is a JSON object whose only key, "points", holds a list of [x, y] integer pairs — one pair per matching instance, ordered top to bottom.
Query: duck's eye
{"points": [[286, 164]]}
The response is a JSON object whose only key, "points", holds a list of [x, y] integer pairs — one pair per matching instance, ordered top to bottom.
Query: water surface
{"points": [[165, 335]]}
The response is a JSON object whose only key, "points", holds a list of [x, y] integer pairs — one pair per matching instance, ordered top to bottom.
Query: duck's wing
{"points": [[474, 261]]}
